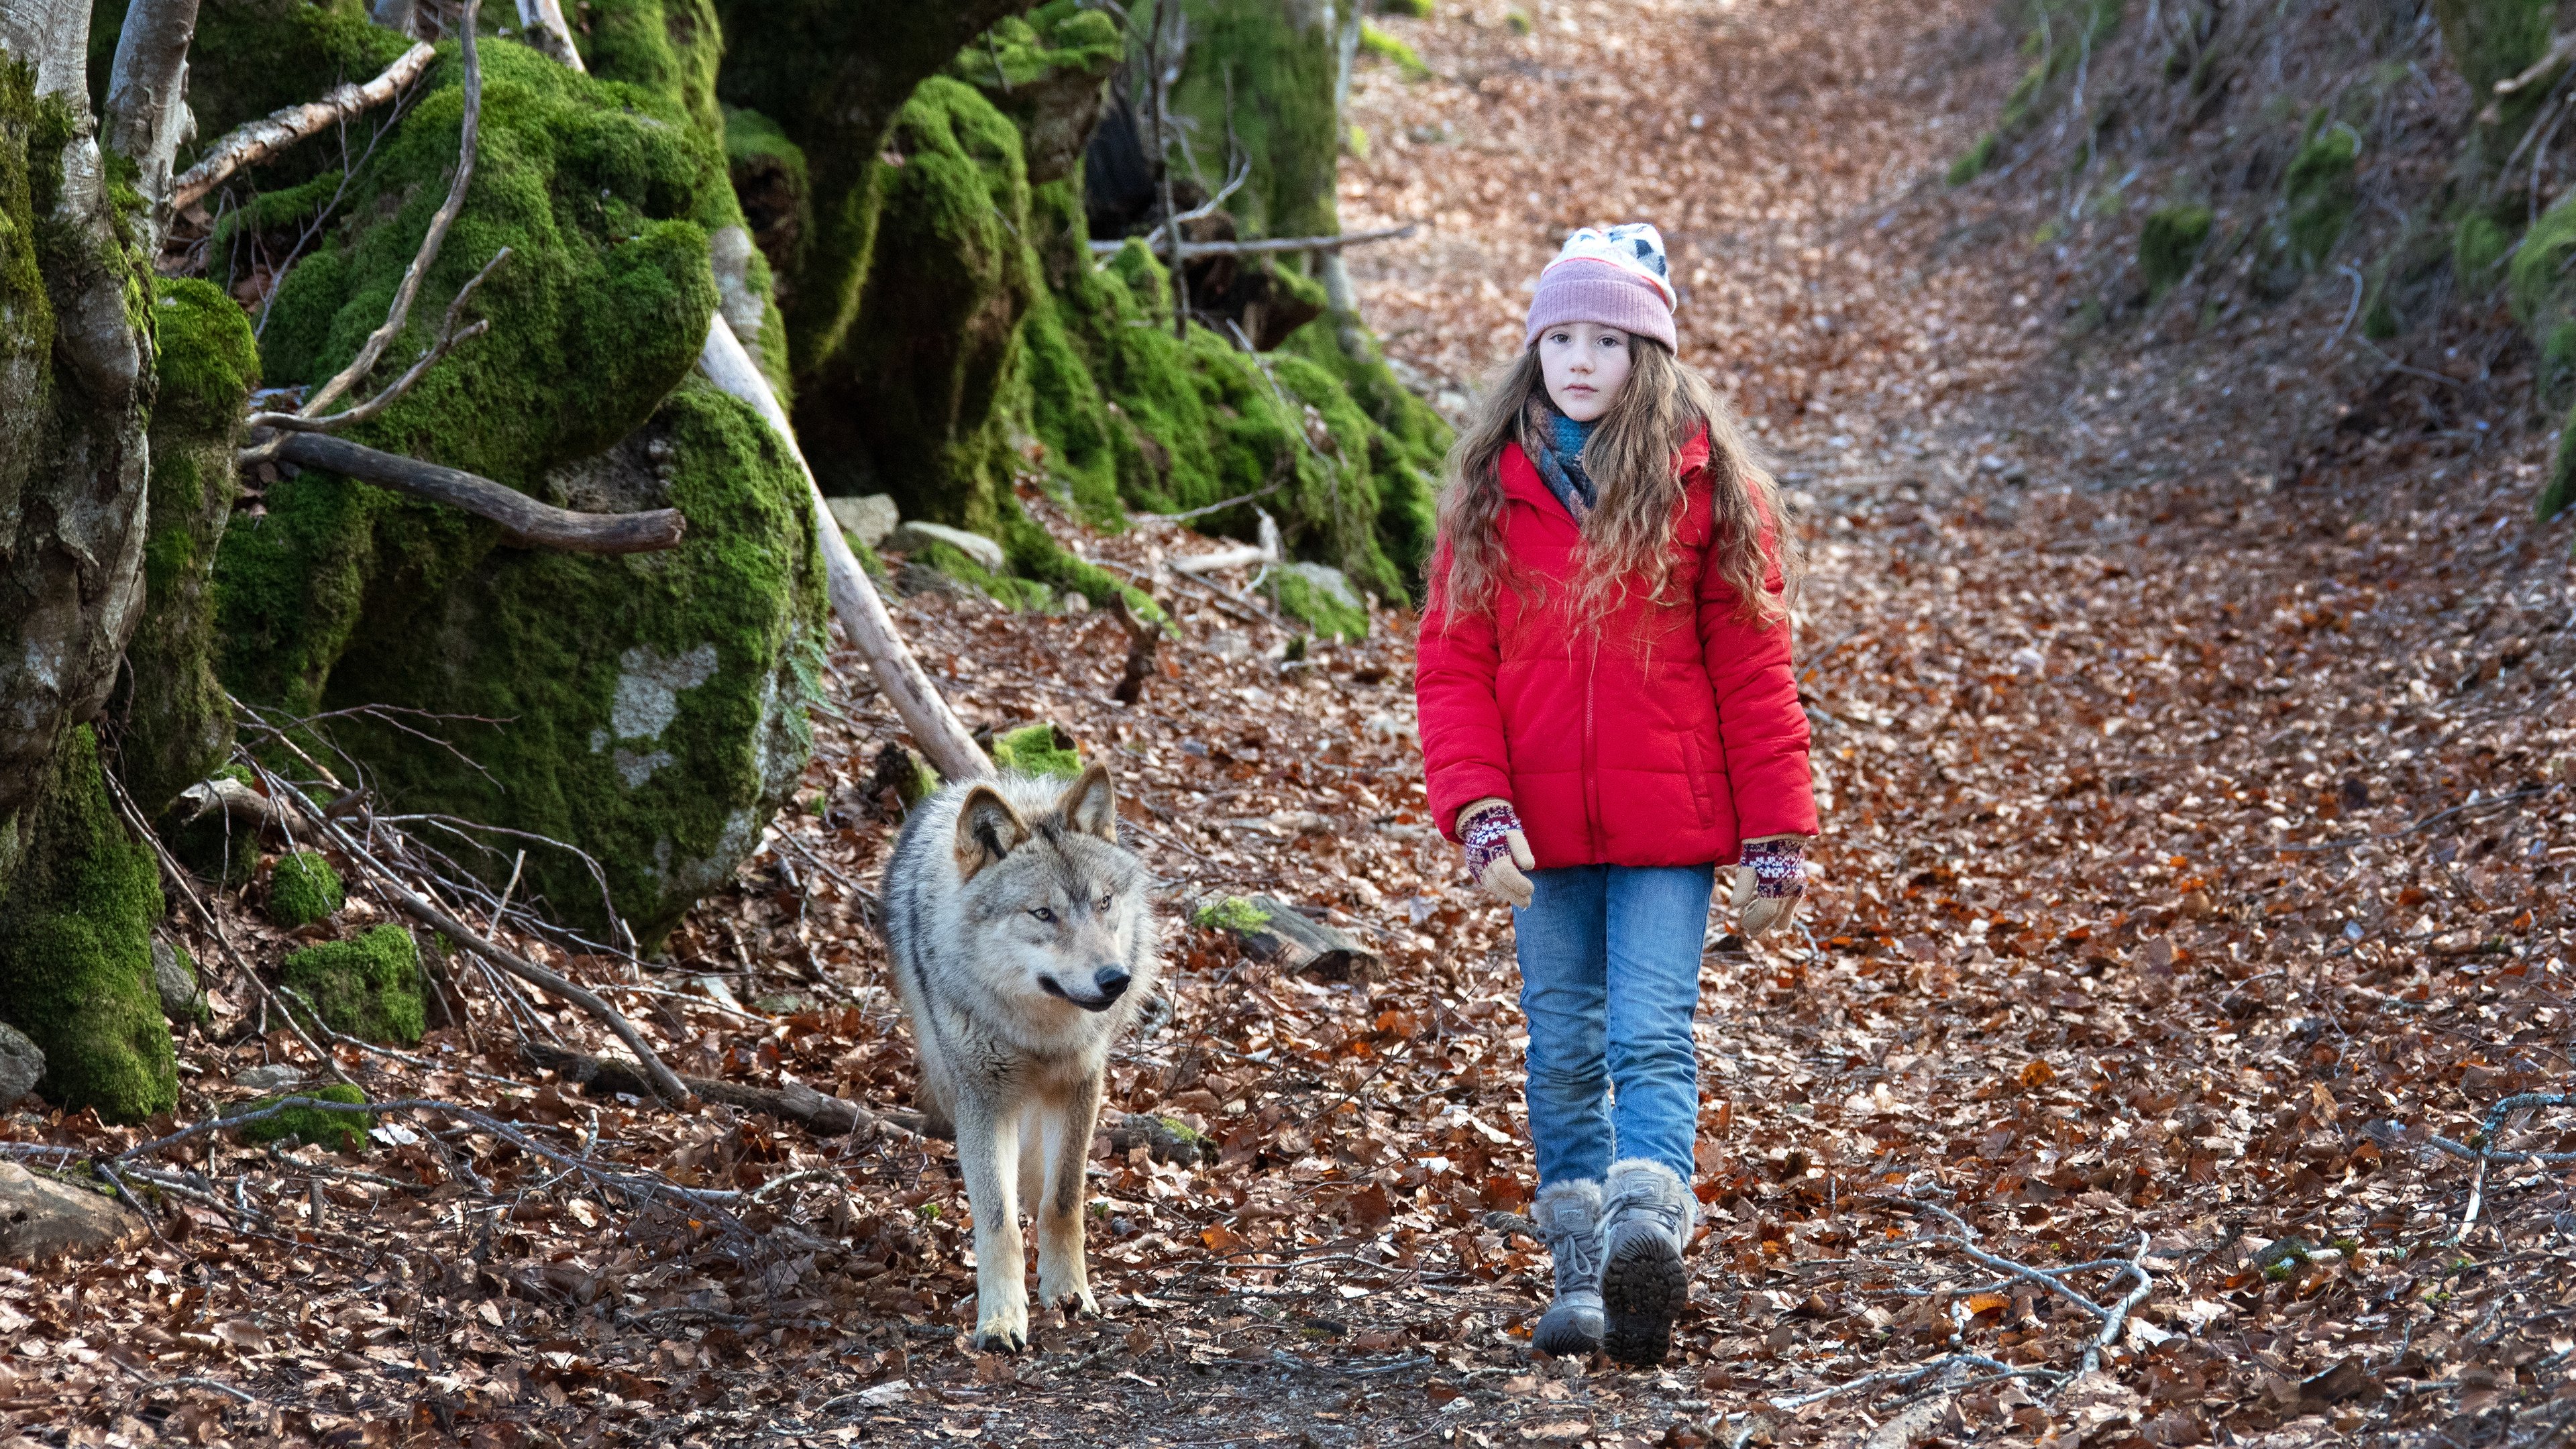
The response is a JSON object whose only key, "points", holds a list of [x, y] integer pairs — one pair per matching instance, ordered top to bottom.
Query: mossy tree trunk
{"points": [[78, 894]]}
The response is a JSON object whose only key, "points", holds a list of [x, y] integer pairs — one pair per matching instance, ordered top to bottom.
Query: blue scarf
{"points": [[1555, 445]]}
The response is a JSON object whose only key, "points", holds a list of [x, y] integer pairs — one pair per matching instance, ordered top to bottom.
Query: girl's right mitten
{"points": [[1497, 852], [1769, 882]]}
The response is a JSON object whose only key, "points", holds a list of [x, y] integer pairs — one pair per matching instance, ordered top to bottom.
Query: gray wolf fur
{"points": [[1023, 945]]}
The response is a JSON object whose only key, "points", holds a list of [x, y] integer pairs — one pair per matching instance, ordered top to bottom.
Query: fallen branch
{"points": [[547, 32], [2560, 50], [258, 140], [431, 240], [1270, 246], [449, 334], [531, 524], [1267, 551], [943, 738], [665, 1083], [798, 1103], [2486, 1155], [2113, 1316], [1908, 1377]]}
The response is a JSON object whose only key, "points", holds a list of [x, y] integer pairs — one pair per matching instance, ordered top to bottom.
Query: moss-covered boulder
{"points": [[2320, 193], [2169, 243], [651, 709], [645, 711], [1038, 749], [303, 888], [76, 948], [366, 987], [307, 1125]]}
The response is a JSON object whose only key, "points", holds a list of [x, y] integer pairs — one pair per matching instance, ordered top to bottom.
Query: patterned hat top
{"points": [[1633, 247]]}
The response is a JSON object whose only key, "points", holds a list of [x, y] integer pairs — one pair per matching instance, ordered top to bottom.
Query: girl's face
{"points": [[1584, 364]]}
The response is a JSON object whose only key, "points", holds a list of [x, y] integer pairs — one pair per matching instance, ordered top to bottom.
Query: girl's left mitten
{"points": [[1497, 852], [1768, 882]]}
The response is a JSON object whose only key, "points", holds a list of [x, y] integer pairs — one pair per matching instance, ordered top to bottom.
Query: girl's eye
{"points": [[1043, 914]]}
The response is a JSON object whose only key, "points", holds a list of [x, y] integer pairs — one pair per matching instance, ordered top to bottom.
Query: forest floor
{"points": [[2195, 886]]}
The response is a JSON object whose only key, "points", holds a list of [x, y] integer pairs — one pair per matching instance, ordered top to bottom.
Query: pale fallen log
{"points": [[547, 32], [258, 140], [1268, 246], [531, 524], [1267, 551], [943, 738], [798, 1103]]}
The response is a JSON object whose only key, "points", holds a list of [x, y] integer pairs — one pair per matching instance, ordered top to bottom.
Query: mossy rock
{"points": [[2493, 40], [1395, 52], [1047, 71], [1262, 74], [1975, 161], [2321, 194], [2170, 242], [2479, 246], [2542, 295], [1321, 598], [650, 709], [1038, 749], [304, 888], [1232, 913], [76, 947], [366, 987], [311, 1126]]}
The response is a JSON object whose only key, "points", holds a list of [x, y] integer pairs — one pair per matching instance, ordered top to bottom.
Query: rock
{"points": [[867, 519], [909, 536], [175, 977], [22, 1064], [268, 1078], [42, 1219]]}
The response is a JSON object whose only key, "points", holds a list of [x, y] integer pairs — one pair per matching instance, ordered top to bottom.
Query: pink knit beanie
{"points": [[1615, 278]]}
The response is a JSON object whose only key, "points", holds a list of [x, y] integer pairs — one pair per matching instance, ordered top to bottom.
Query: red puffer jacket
{"points": [[1666, 737]]}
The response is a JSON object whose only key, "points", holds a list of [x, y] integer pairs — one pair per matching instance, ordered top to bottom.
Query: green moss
{"points": [[1410, 9], [2493, 40], [670, 47], [1395, 52], [1263, 73], [1975, 161], [591, 184], [2320, 193], [2170, 242], [2479, 246], [2543, 297], [2559, 494], [1322, 599], [651, 708], [174, 725], [1038, 749], [303, 889], [1233, 913], [76, 948], [367, 987], [311, 1126]]}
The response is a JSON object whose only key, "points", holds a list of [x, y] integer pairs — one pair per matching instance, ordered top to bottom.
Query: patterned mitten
{"points": [[1497, 852], [1769, 881]]}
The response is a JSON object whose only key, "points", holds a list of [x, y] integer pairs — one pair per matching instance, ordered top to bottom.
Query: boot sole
{"points": [[1641, 1294]]}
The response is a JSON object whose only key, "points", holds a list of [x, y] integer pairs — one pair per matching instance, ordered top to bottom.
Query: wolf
{"points": [[1023, 946]]}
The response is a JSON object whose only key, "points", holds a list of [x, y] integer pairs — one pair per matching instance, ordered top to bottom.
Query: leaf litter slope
{"points": [[2142, 927]]}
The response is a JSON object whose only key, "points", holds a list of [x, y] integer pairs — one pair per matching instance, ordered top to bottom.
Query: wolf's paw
{"points": [[1076, 1301], [1005, 1331]]}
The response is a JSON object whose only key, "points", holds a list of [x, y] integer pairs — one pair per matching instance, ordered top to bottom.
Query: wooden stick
{"points": [[547, 31], [265, 137], [430, 241], [1266, 247], [531, 524], [943, 738], [665, 1083], [824, 1116]]}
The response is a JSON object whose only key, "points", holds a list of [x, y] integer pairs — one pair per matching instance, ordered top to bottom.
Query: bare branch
{"points": [[548, 32], [257, 141], [430, 241], [1270, 246], [449, 334], [531, 524], [935, 727], [666, 1084]]}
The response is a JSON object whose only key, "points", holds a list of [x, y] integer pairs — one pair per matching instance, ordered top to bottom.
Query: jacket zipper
{"points": [[1591, 755]]}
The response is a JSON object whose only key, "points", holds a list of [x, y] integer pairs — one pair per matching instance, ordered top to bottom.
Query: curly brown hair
{"points": [[1627, 539]]}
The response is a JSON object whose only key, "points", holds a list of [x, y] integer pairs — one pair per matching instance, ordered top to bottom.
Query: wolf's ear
{"points": [[1090, 805], [987, 829]]}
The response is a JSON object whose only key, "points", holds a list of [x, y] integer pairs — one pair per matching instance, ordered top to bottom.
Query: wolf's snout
{"points": [[1110, 982], [1107, 984]]}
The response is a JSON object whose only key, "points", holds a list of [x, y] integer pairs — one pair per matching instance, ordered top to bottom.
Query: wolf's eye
{"points": [[1104, 905], [1043, 914]]}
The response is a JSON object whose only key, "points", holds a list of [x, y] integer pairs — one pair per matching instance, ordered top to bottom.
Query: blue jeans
{"points": [[1609, 958]]}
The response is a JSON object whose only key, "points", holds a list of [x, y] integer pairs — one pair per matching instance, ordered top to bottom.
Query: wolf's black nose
{"points": [[1110, 981]]}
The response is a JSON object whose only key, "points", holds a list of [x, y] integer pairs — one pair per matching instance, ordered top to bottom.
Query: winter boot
{"points": [[1568, 1215], [1647, 1220]]}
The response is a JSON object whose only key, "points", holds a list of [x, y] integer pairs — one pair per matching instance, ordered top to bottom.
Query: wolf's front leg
{"points": [[988, 1148], [1064, 1280]]}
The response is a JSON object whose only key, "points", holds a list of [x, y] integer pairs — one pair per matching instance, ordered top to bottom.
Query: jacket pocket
{"points": [[1698, 773]]}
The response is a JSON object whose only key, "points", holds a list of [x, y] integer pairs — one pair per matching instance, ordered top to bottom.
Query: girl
{"points": [[1608, 710]]}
